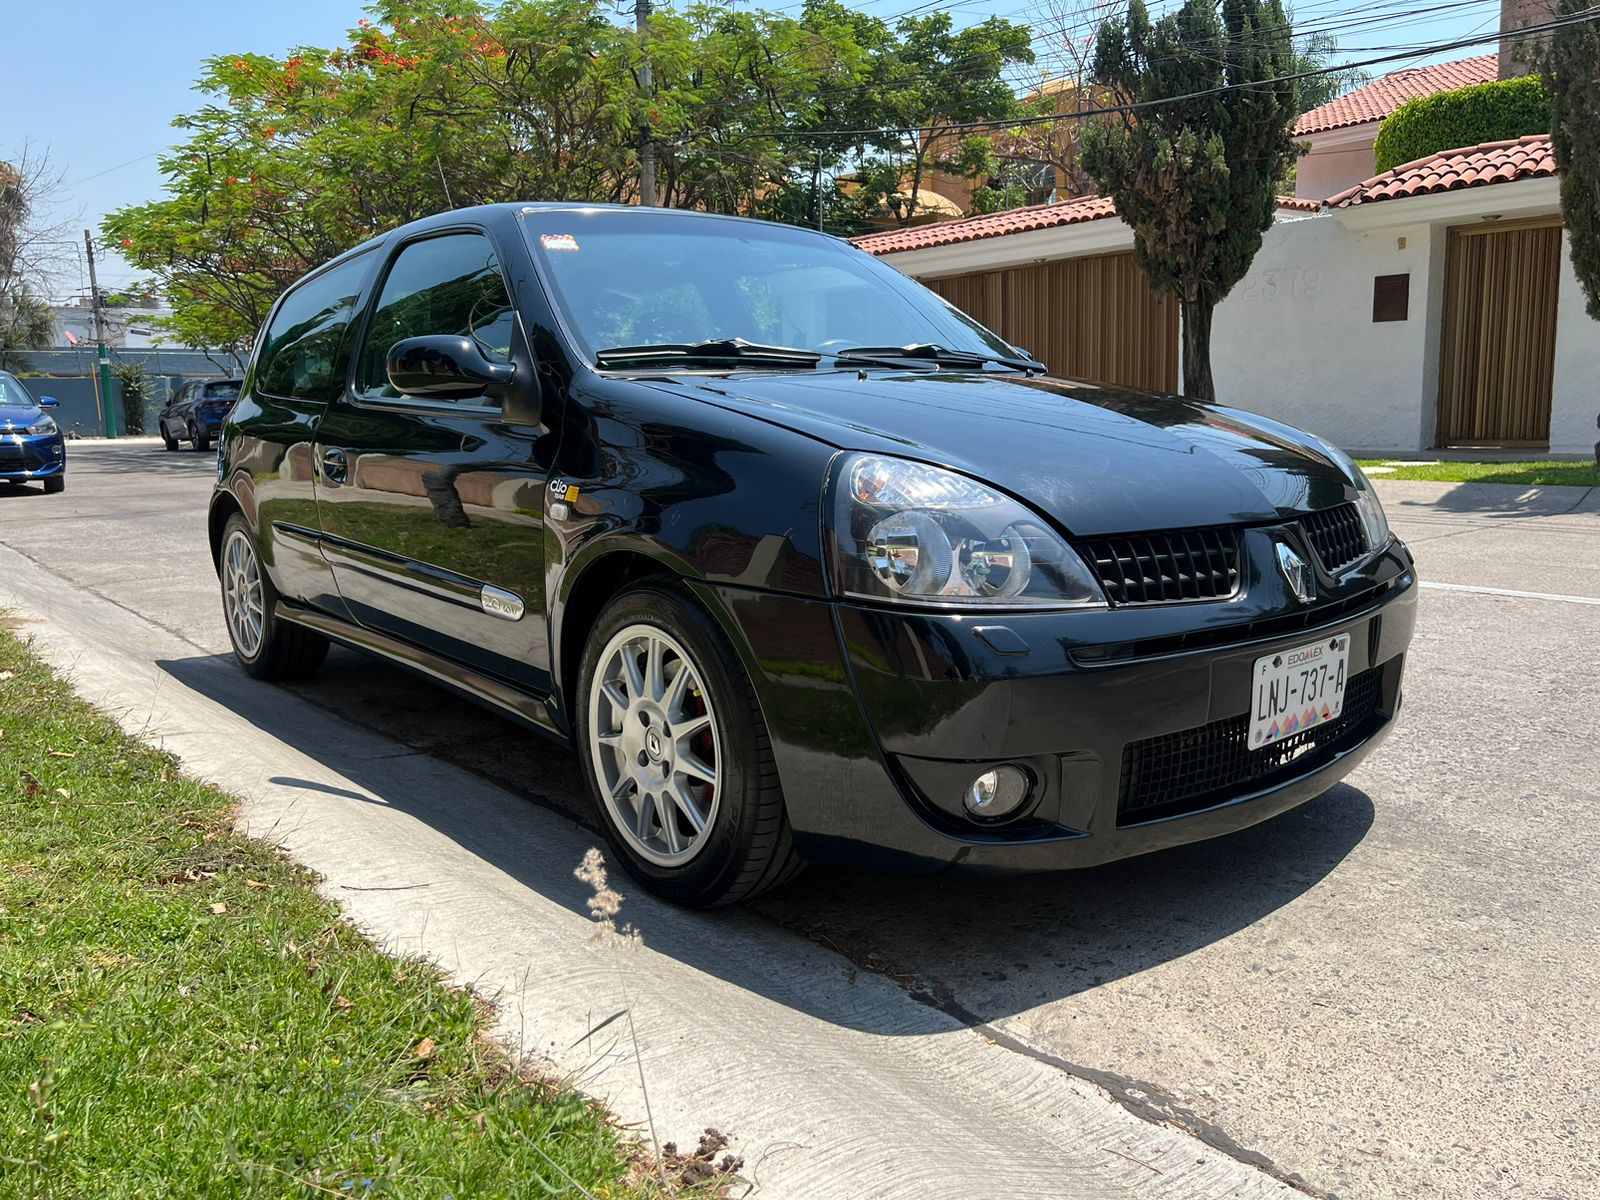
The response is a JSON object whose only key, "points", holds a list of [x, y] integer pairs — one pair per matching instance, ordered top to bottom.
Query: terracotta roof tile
{"points": [[1383, 95], [1450, 170], [1300, 204], [1015, 220], [972, 229]]}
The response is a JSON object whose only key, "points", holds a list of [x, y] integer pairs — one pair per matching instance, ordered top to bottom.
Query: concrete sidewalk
{"points": [[831, 1082]]}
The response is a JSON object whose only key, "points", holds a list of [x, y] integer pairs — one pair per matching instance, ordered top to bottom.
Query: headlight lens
{"points": [[43, 425], [1371, 512], [1372, 517], [909, 532]]}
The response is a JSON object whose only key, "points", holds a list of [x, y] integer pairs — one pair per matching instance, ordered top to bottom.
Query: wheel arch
{"points": [[223, 506], [590, 584], [588, 587]]}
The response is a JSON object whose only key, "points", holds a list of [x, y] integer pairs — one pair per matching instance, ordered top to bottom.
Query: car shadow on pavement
{"points": [[155, 459], [972, 948]]}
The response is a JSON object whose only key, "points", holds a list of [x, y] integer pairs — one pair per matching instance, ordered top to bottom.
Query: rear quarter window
{"points": [[306, 351]]}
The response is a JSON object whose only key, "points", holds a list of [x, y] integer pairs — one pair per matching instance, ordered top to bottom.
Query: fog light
{"points": [[998, 792]]}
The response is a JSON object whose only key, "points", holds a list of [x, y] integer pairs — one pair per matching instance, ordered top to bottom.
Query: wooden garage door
{"points": [[1085, 318], [1498, 349]]}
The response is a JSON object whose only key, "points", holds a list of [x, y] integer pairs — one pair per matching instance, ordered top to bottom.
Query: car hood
{"points": [[18, 417], [1097, 459]]}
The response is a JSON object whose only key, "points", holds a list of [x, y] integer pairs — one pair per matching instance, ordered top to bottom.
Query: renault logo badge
{"points": [[1295, 573]]}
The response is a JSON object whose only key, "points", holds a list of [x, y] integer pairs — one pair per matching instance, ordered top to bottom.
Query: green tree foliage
{"points": [[1572, 72], [931, 75], [437, 104], [1469, 116], [1193, 166], [25, 319], [26, 323], [135, 386]]}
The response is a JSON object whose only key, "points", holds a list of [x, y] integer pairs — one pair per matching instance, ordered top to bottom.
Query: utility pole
{"points": [[647, 142], [816, 191], [100, 340]]}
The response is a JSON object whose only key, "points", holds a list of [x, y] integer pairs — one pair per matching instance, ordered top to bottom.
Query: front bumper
{"points": [[25, 456], [875, 745]]}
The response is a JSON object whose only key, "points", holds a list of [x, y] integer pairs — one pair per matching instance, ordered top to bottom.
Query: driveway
{"points": [[1389, 992]]}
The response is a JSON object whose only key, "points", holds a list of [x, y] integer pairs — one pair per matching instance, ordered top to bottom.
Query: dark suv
{"points": [[196, 412], [805, 563]]}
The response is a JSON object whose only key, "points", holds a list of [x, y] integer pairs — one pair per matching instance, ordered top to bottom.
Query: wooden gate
{"points": [[1085, 318], [1498, 350]]}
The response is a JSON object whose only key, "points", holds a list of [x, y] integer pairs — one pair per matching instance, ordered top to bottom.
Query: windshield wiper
{"points": [[713, 350], [934, 353]]}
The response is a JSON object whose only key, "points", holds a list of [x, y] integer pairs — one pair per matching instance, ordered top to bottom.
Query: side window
{"points": [[448, 284], [305, 351]]}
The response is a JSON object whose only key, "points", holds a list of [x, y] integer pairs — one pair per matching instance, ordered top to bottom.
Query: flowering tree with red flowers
{"points": [[437, 104]]}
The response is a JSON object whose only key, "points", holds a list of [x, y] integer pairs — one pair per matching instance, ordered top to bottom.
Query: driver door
{"points": [[432, 512]]}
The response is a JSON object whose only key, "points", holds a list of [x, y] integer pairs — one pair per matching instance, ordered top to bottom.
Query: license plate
{"points": [[1298, 689]]}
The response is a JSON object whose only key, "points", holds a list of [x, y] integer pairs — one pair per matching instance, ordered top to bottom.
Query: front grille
{"points": [[14, 458], [1337, 535], [1160, 568], [1228, 635], [1196, 768]]}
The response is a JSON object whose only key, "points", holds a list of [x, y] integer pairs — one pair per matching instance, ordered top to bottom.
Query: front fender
{"points": [[654, 483]]}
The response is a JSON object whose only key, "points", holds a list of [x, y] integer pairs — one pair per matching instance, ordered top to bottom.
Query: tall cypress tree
{"points": [[1572, 76], [1194, 163]]}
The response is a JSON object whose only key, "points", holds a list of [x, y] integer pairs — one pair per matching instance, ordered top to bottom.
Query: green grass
{"points": [[1529, 474], [182, 1015]]}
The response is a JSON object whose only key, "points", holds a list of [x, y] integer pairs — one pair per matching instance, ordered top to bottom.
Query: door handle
{"points": [[334, 464]]}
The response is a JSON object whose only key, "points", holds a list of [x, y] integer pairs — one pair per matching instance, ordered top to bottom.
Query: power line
{"points": [[1585, 17]]}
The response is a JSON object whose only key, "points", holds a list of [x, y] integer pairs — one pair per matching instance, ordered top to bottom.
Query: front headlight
{"points": [[42, 425], [1373, 520], [918, 534]]}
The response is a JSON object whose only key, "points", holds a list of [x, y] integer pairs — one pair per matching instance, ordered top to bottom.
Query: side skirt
{"points": [[532, 711]]}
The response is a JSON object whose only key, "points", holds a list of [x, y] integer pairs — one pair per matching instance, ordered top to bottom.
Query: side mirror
{"points": [[444, 367], [49, 402]]}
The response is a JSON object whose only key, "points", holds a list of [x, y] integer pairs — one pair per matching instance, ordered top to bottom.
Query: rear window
{"points": [[306, 350], [226, 390]]}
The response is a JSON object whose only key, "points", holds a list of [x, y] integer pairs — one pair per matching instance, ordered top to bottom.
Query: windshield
{"points": [[632, 278], [12, 393]]}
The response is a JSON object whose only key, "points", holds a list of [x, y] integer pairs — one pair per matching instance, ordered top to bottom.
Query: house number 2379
{"points": [[1283, 283]]}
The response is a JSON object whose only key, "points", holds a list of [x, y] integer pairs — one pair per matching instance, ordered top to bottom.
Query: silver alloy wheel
{"points": [[243, 602], [654, 744]]}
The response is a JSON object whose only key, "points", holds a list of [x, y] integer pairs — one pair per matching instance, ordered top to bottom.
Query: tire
{"points": [[167, 439], [202, 443], [55, 484], [264, 646], [745, 847]]}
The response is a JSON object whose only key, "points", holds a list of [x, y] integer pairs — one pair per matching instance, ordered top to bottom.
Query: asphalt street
{"points": [[1389, 992]]}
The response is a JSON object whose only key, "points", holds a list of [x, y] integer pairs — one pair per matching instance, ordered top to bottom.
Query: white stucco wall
{"points": [[1331, 167], [1295, 340], [1576, 400]]}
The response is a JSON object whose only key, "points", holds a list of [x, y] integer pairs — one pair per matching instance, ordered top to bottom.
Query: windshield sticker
{"points": [[558, 241]]}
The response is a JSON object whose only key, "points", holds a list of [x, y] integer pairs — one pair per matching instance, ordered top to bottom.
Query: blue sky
{"points": [[99, 88]]}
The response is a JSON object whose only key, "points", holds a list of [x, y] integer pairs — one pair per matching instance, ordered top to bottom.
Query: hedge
{"points": [[1469, 116]]}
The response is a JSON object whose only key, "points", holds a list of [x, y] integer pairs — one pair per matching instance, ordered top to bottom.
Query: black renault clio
{"points": [[803, 562]]}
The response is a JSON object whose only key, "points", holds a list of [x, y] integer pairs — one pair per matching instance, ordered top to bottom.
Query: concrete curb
{"points": [[832, 1083]]}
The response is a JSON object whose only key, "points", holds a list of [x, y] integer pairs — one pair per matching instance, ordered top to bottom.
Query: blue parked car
{"points": [[197, 410], [31, 445]]}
